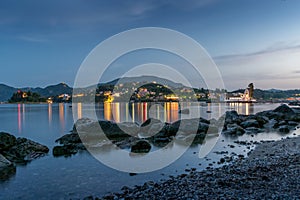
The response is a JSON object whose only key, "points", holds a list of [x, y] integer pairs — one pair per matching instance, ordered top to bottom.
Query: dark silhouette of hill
{"points": [[53, 90]]}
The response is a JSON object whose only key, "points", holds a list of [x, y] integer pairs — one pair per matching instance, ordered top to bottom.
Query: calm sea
{"points": [[82, 175]]}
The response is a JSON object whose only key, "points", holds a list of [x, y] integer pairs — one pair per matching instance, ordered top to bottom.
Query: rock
{"points": [[285, 109], [184, 111], [231, 117], [202, 120], [262, 120], [150, 121], [250, 123], [293, 123], [202, 127], [129, 128], [234, 129], [284, 129], [91, 130], [112, 130], [251, 130], [72, 138], [160, 139], [6, 141], [141, 147], [25, 150], [66, 150], [4, 162], [7, 172]]}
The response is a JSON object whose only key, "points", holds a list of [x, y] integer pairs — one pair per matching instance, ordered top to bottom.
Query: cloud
{"points": [[32, 39], [272, 49], [272, 67]]}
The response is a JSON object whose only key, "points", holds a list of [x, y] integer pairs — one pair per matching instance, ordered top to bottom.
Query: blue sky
{"points": [[45, 42]]}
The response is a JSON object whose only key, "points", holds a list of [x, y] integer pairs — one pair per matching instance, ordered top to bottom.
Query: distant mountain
{"points": [[146, 79], [54, 90], [274, 90], [6, 91]]}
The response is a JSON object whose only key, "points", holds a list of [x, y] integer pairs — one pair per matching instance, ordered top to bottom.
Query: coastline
{"points": [[270, 171]]}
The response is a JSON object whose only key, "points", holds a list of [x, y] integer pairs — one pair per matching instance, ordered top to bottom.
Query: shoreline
{"points": [[270, 171]]}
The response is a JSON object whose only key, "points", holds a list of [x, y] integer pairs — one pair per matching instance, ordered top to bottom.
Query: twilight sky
{"points": [[45, 42]]}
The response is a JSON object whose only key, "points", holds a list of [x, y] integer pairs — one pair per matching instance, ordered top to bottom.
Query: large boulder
{"points": [[285, 109], [90, 130], [6, 141], [25, 150]]}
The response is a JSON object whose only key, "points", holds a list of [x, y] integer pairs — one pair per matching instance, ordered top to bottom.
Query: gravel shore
{"points": [[271, 171]]}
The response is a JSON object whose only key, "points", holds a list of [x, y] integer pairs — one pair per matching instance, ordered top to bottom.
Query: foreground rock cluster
{"points": [[282, 119], [153, 132], [17, 151], [270, 172]]}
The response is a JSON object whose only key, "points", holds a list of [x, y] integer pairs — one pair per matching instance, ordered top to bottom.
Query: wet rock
{"points": [[284, 109], [231, 116], [250, 123], [293, 123], [151, 127], [202, 127], [129, 128], [233, 129], [284, 129], [94, 130], [253, 130], [72, 138], [6, 141], [141, 147], [17, 150], [25, 150], [66, 150], [4, 162], [7, 172]]}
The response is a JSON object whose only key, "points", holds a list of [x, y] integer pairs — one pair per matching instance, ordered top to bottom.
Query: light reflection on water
{"points": [[166, 112], [82, 175]]}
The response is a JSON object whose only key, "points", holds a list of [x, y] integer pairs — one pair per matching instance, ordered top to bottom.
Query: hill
{"points": [[145, 79], [53, 90], [6, 92]]}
